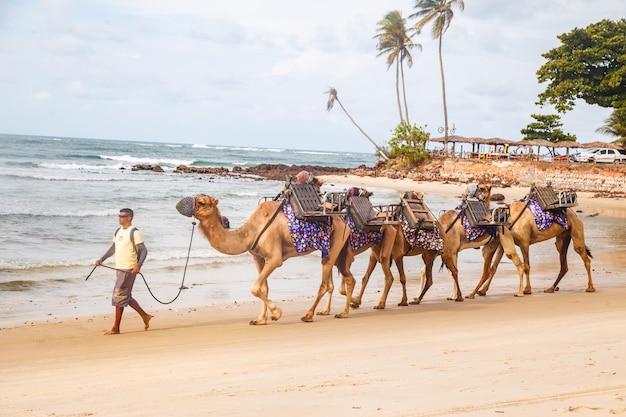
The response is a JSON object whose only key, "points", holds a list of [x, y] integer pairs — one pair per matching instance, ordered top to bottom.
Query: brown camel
{"points": [[525, 233], [266, 236], [456, 240], [400, 249], [383, 250]]}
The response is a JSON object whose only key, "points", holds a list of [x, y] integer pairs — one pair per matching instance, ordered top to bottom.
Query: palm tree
{"points": [[440, 13], [393, 40], [332, 97], [615, 125]]}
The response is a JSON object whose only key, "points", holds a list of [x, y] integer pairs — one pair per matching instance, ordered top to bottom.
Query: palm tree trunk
{"points": [[398, 89], [445, 106], [406, 107], [381, 151]]}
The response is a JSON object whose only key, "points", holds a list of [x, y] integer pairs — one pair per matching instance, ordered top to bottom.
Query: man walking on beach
{"points": [[130, 253]]}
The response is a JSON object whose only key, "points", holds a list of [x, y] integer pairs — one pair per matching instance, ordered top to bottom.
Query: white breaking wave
{"points": [[148, 161]]}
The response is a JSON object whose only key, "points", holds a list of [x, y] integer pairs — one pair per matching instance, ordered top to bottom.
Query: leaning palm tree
{"points": [[440, 13], [394, 41], [332, 97], [615, 125]]}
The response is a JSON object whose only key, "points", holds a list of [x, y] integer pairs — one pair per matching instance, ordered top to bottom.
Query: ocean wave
{"points": [[314, 152], [148, 161], [78, 167], [40, 266]]}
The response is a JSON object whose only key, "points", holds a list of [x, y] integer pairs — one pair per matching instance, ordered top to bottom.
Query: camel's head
{"points": [[360, 192], [481, 192], [413, 195], [199, 206]]}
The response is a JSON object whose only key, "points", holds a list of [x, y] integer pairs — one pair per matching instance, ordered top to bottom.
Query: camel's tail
{"points": [[342, 260], [442, 265]]}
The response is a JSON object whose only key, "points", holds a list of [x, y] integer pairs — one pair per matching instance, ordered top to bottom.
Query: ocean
{"points": [[61, 197]]}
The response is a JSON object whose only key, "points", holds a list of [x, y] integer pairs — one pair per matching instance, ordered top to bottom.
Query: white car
{"points": [[584, 155], [609, 156]]}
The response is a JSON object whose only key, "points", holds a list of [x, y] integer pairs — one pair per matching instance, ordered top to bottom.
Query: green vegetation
{"points": [[590, 65], [548, 127], [408, 145]]}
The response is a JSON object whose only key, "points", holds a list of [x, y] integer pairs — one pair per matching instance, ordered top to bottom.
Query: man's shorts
{"points": [[123, 288]]}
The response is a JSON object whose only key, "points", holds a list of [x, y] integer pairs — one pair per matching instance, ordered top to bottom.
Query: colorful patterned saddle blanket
{"points": [[545, 218], [473, 233], [308, 235], [358, 238], [420, 238]]}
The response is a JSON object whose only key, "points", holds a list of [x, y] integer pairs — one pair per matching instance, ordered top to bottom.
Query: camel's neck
{"points": [[229, 242]]}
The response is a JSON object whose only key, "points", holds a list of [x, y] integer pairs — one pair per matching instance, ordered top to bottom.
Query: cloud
{"points": [[245, 72]]}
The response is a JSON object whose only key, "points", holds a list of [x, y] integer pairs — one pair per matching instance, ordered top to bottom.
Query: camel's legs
{"points": [[576, 235], [508, 245], [429, 259], [373, 261], [385, 263], [400, 265], [489, 267], [327, 278], [350, 283], [330, 287], [260, 290]]}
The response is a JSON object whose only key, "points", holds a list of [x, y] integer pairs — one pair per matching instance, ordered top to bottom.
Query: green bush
{"points": [[408, 144]]}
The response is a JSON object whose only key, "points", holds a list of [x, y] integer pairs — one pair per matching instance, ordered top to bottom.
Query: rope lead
{"points": [[182, 284]]}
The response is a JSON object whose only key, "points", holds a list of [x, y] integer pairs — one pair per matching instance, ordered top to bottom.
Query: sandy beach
{"points": [[542, 354]]}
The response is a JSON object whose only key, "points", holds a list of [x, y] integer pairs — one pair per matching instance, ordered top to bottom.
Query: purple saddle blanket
{"points": [[544, 219], [471, 233], [308, 235], [358, 238], [429, 240]]}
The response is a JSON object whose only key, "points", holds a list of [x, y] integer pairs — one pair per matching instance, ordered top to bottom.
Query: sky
{"points": [[256, 73]]}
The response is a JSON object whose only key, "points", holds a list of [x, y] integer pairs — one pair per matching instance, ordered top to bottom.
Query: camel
{"points": [[525, 233], [266, 236], [456, 240], [400, 249], [383, 250]]}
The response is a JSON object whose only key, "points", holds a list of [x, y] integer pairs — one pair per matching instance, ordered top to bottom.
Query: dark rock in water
{"points": [[147, 167]]}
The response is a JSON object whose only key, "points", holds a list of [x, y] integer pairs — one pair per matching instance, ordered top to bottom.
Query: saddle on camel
{"points": [[542, 215]]}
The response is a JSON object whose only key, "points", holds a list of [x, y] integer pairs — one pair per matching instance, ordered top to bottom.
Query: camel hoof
{"points": [[590, 289], [549, 290], [528, 292], [482, 293], [519, 295], [471, 296], [459, 300], [414, 302], [403, 304], [355, 306], [379, 307], [278, 313], [323, 313], [341, 316], [306, 319], [257, 323]]}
